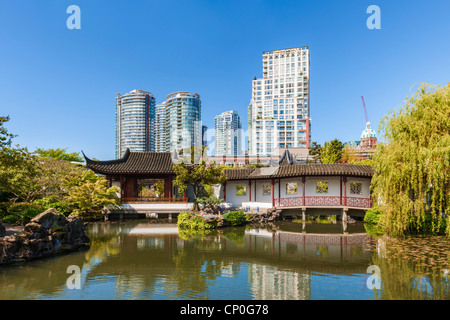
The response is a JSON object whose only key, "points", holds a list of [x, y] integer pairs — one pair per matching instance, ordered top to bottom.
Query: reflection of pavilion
{"points": [[153, 261]]}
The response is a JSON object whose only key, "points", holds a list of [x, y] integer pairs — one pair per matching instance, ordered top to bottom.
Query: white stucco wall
{"points": [[333, 186], [365, 187], [334, 189], [231, 197]]}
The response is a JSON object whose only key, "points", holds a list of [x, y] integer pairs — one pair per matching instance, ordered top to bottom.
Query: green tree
{"points": [[5, 137], [315, 150], [332, 151], [58, 154], [412, 167], [18, 172], [199, 176], [55, 178], [159, 185], [89, 194]]}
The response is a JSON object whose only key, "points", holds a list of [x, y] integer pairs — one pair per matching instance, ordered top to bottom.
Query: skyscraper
{"points": [[279, 113], [135, 116], [183, 126], [160, 127], [228, 130], [204, 136]]}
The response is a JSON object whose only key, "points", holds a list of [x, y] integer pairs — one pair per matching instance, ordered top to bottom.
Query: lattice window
{"points": [[322, 187], [291, 188], [356, 188], [267, 189], [241, 190]]}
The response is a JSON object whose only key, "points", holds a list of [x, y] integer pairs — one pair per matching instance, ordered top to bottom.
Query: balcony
{"points": [[153, 200], [323, 201]]}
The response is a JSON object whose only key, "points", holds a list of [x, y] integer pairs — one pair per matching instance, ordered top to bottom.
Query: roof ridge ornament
{"points": [[287, 155], [120, 160]]}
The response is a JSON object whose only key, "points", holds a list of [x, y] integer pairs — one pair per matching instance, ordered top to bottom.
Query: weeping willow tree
{"points": [[412, 166]]}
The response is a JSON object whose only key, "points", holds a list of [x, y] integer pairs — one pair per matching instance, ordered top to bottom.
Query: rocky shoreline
{"points": [[49, 233]]}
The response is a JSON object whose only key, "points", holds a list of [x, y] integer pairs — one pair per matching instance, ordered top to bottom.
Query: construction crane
{"points": [[365, 111]]}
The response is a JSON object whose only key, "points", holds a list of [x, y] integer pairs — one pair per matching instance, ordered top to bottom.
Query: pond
{"points": [[280, 261]]}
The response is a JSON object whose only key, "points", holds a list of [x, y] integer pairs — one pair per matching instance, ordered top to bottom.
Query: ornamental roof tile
{"points": [[134, 163], [297, 170]]}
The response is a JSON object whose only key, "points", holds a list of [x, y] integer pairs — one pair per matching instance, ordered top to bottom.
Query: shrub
{"points": [[4, 206], [62, 206], [23, 212], [372, 216], [236, 218], [9, 219], [187, 220], [373, 229]]}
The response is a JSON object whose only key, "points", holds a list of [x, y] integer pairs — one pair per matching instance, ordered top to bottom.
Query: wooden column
{"points": [[121, 188], [279, 188], [250, 190], [225, 191], [340, 191], [345, 191], [303, 192], [273, 193]]}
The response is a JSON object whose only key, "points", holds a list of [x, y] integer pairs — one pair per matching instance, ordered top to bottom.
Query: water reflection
{"points": [[142, 260]]}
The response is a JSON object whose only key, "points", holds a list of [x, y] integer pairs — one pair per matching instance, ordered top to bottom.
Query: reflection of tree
{"points": [[187, 234], [236, 235], [102, 248], [322, 251], [356, 251], [411, 269], [193, 274], [38, 279]]}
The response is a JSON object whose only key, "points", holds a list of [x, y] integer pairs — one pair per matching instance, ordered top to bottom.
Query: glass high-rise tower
{"points": [[279, 112], [135, 122], [183, 126], [160, 127], [228, 135]]}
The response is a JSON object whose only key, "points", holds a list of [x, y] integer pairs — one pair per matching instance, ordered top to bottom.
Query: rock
{"points": [[269, 216], [49, 218], [32, 227], [46, 234]]}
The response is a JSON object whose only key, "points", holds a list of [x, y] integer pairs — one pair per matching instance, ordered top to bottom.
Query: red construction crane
{"points": [[365, 111]]}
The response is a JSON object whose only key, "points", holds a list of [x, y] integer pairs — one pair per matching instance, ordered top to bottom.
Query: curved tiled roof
{"points": [[161, 162], [134, 163], [288, 166], [298, 170]]}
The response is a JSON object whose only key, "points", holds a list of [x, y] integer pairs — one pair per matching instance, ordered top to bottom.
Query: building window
{"points": [[322, 187], [291, 188], [356, 188], [267, 189], [241, 190]]}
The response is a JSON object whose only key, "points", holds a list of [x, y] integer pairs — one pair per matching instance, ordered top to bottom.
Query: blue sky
{"points": [[59, 85]]}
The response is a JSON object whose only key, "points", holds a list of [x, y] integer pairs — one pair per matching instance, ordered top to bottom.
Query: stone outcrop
{"points": [[269, 216], [49, 233]]}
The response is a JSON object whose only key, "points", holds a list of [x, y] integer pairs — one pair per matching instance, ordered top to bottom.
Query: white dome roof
{"points": [[368, 132]]}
